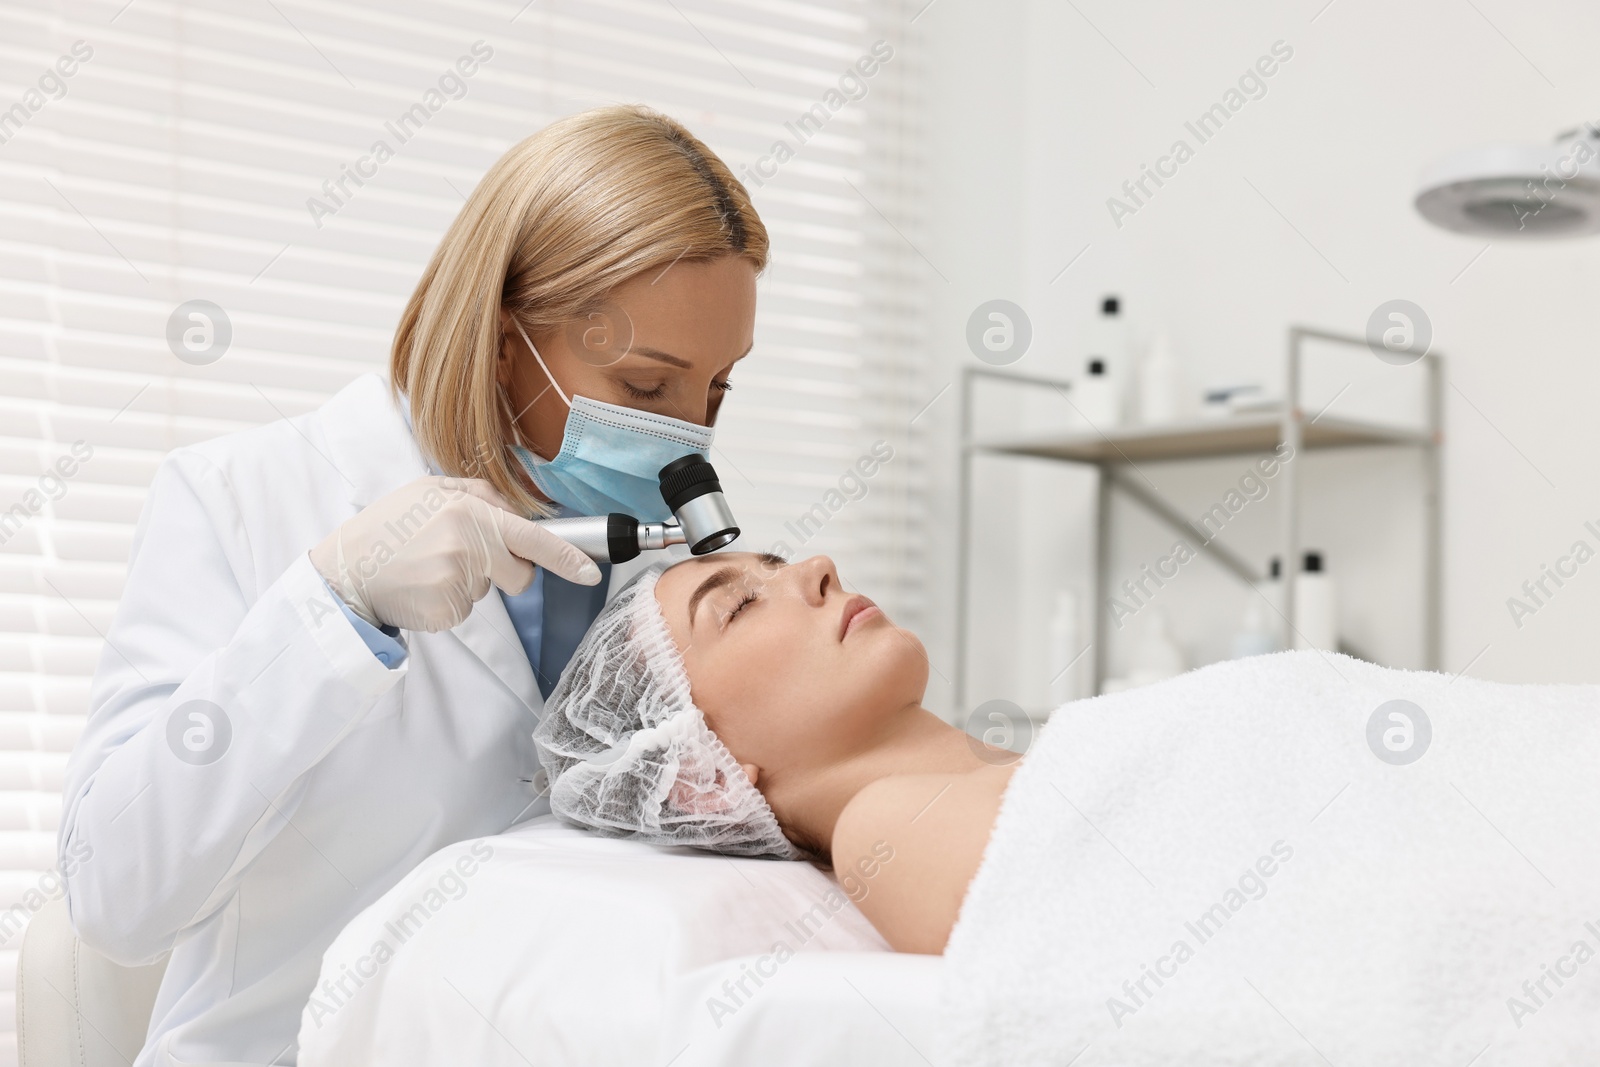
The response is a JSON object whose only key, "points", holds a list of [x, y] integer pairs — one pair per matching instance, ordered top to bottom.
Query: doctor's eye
{"points": [[722, 386], [646, 394]]}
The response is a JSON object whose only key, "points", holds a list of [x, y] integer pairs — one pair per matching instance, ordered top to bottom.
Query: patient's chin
{"points": [[900, 642], [893, 666]]}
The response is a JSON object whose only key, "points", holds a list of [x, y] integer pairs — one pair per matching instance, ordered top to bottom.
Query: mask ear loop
{"points": [[537, 356], [505, 399], [511, 416]]}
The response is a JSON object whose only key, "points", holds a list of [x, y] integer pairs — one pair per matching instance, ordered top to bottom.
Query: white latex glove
{"points": [[420, 557]]}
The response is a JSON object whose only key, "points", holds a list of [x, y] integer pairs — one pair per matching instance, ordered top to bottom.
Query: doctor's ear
{"points": [[508, 337], [751, 771]]}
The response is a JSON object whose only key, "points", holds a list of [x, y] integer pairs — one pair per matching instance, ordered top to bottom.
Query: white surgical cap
{"points": [[628, 752]]}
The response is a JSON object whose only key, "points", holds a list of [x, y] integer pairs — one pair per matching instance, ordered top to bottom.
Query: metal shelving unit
{"points": [[1112, 453]]}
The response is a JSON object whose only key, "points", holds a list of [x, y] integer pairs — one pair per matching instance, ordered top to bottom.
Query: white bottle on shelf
{"points": [[1108, 337], [1158, 383], [1100, 389], [1096, 396], [1272, 590], [1271, 601], [1316, 614], [1257, 635], [1065, 637], [1157, 655]]}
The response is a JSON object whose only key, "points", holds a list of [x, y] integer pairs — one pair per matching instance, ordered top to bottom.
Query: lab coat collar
{"points": [[369, 441], [371, 446]]}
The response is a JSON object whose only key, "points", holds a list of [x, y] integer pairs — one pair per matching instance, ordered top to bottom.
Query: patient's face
{"points": [[788, 669]]}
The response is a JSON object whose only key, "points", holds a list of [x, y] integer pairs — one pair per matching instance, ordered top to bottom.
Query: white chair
{"points": [[75, 1008]]}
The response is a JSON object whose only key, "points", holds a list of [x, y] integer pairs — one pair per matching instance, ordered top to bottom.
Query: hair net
{"points": [[628, 752]]}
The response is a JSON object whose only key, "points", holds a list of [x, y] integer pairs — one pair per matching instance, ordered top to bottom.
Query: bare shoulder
{"points": [[906, 847]]}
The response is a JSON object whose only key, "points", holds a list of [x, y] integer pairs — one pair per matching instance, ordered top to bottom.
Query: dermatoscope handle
{"points": [[700, 518], [613, 538]]}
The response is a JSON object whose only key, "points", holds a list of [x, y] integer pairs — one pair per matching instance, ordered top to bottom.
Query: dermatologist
{"points": [[338, 629]]}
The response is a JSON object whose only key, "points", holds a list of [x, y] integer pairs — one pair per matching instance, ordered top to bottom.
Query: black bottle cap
{"points": [[1111, 306], [1097, 366], [1313, 563], [1275, 568]]}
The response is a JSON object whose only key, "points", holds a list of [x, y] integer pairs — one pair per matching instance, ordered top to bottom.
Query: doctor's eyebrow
{"points": [[663, 357], [670, 359]]}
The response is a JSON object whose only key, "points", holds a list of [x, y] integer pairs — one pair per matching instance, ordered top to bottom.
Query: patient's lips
{"points": [[857, 610]]}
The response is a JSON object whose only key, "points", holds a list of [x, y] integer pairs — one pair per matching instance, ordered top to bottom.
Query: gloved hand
{"points": [[421, 557]]}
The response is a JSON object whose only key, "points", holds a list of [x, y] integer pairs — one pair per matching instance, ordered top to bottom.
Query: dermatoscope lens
{"points": [[690, 487]]}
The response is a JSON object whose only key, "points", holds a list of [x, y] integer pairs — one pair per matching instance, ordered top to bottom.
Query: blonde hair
{"points": [[564, 217]]}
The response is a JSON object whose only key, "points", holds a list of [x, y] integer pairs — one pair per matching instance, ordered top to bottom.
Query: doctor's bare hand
{"points": [[420, 557]]}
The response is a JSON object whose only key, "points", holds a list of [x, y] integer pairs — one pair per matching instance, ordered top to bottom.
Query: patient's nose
{"points": [[817, 578]]}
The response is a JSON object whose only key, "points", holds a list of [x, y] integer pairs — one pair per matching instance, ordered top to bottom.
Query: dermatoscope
{"points": [[700, 519]]}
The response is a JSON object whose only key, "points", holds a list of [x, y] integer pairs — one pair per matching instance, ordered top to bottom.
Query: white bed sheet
{"points": [[548, 945]]}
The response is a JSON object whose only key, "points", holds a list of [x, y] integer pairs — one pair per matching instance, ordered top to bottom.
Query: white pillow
{"points": [[551, 944]]}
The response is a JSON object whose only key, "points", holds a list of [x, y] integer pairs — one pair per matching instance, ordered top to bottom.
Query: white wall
{"points": [[1040, 120], [974, 150]]}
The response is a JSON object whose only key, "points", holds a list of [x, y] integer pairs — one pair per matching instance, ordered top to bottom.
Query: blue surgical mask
{"points": [[610, 455]]}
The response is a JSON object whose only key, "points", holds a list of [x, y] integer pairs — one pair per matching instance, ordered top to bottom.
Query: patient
{"points": [[741, 704], [1138, 895]]}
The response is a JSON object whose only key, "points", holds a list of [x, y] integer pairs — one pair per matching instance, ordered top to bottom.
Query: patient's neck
{"points": [[912, 741]]}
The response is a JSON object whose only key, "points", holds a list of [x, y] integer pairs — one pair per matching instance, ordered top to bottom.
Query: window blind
{"points": [[157, 152]]}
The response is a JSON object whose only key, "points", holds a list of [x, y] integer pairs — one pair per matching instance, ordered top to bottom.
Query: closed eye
{"points": [[645, 394], [744, 602]]}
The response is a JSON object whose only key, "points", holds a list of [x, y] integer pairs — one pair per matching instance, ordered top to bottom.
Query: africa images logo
{"points": [[199, 732]]}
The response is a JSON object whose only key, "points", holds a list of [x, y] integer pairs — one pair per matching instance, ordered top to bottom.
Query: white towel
{"points": [[1220, 869]]}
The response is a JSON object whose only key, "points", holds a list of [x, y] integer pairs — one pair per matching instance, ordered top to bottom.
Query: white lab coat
{"points": [[340, 774]]}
